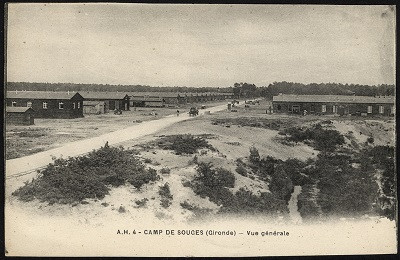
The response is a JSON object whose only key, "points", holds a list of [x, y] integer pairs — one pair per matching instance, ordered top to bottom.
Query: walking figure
{"points": [[177, 112]]}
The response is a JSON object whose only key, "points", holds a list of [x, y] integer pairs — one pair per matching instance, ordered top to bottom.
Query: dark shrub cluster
{"points": [[259, 122], [322, 139], [183, 144], [254, 156], [382, 158], [165, 170], [241, 170], [78, 178], [213, 182], [344, 183], [281, 185], [344, 189], [166, 195], [244, 201], [141, 203], [306, 204], [197, 211]]}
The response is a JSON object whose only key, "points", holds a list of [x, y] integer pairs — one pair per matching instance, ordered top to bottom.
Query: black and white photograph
{"points": [[145, 129]]}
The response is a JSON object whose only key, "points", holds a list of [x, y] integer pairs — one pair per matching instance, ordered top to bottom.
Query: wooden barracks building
{"points": [[112, 100], [48, 104], [334, 104]]}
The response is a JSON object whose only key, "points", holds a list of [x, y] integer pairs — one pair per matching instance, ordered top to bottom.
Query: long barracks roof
{"points": [[40, 94], [156, 94], [174, 94], [103, 95], [142, 99], [334, 99], [17, 109]]}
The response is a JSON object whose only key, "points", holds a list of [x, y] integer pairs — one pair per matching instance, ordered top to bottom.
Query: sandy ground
{"points": [[383, 131], [293, 212], [92, 229], [44, 235]]}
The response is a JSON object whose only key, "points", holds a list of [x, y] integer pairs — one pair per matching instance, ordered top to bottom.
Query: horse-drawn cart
{"points": [[193, 111]]}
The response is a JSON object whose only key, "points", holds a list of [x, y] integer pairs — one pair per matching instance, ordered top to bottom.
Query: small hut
{"points": [[20, 116]]}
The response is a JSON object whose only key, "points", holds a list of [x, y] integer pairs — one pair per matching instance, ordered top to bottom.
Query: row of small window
{"points": [[45, 105], [369, 109]]}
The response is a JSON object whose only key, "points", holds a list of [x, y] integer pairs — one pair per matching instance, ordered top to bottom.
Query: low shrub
{"points": [[321, 139], [370, 140], [183, 144], [254, 155], [147, 160], [165, 170], [241, 170], [77, 178], [213, 183], [281, 185], [166, 196], [244, 201], [141, 203], [197, 211]]}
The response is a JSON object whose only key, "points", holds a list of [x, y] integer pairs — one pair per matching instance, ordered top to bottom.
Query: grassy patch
{"points": [[259, 122], [33, 133]]}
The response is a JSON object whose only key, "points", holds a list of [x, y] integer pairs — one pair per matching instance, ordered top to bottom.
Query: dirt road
{"points": [[27, 163]]}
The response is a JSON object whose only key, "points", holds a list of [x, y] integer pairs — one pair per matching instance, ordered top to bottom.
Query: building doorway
{"points": [[296, 109]]}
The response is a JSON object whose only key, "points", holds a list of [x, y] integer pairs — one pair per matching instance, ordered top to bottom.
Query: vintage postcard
{"points": [[199, 130]]}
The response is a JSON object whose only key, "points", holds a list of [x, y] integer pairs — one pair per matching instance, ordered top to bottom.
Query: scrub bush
{"points": [[321, 139], [183, 144], [241, 170], [66, 181], [213, 183], [166, 196], [244, 201]]}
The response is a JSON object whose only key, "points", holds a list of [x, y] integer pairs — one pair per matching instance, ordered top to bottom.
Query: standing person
{"points": [[270, 109], [177, 112]]}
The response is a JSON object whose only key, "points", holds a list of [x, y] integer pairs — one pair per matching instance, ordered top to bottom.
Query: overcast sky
{"points": [[199, 45]]}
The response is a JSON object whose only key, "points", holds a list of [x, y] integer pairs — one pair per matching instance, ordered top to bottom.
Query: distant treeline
{"points": [[106, 87], [326, 89], [246, 90], [251, 90]]}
